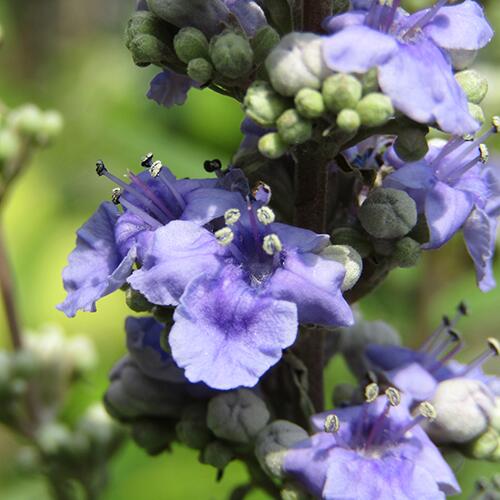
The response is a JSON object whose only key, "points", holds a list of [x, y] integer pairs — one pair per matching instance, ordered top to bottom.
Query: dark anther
{"points": [[147, 161], [212, 165], [100, 168], [115, 196], [463, 309], [446, 320], [455, 336]]}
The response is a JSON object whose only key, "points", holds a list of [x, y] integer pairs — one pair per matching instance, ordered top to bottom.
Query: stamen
{"points": [[424, 19], [494, 129], [482, 157], [147, 161], [212, 166], [156, 171], [115, 196], [117, 199], [266, 215], [232, 216], [224, 236], [272, 244], [445, 323], [451, 337], [492, 350], [372, 392], [393, 396], [393, 399], [426, 411], [332, 424]]}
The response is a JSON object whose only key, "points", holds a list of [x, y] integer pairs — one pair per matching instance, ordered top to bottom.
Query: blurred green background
{"points": [[69, 55]]}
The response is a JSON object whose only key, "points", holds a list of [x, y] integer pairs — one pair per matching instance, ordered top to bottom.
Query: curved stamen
{"points": [[157, 171], [119, 200], [451, 338], [454, 338], [492, 350], [393, 399], [426, 412]]}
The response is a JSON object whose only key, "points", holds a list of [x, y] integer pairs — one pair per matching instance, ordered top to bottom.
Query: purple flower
{"points": [[249, 14], [409, 52], [169, 88], [455, 191], [110, 242], [240, 291], [371, 451]]}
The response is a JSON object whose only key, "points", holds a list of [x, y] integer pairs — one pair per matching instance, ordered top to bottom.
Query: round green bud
{"points": [[144, 22], [263, 42], [190, 43], [147, 49], [232, 55], [200, 70], [369, 81], [473, 84], [341, 91], [309, 103], [263, 105], [375, 109], [477, 113], [27, 119], [348, 121], [52, 124], [292, 128], [411, 144], [10, 145], [272, 146], [388, 213], [353, 238], [407, 252], [350, 259], [136, 301], [192, 429], [153, 435], [53, 437], [484, 446], [217, 454], [495, 457]]}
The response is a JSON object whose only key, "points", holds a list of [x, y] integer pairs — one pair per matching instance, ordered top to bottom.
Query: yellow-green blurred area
{"points": [[69, 55]]}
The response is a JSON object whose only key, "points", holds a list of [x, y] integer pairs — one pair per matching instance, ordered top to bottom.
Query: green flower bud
{"points": [[146, 23], [263, 42], [190, 43], [147, 49], [232, 55], [200, 70], [369, 81], [473, 84], [341, 91], [309, 103], [263, 105], [375, 109], [477, 113], [27, 120], [348, 121], [52, 125], [292, 128], [411, 144], [10, 145], [272, 146], [388, 213], [353, 238], [384, 247], [407, 252], [350, 259], [136, 301], [80, 354], [23, 364], [237, 415], [98, 428], [192, 429], [153, 435], [53, 437], [272, 444], [484, 446], [217, 454]]}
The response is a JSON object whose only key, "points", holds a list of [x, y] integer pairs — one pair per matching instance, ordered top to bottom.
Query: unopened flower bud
{"points": [[146, 23], [263, 42], [190, 43], [147, 49], [231, 54], [461, 59], [297, 62], [200, 70], [369, 81], [473, 84], [341, 91], [309, 103], [263, 105], [375, 109], [477, 113], [27, 119], [348, 121], [52, 125], [292, 128], [411, 143], [10, 145], [272, 146], [388, 213], [349, 236], [407, 252], [350, 260], [136, 301], [80, 352], [23, 364], [237, 415], [98, 427], [192, 429], [153, 435], [53, 437], [272, 444], [484, 446], [216, 454]]}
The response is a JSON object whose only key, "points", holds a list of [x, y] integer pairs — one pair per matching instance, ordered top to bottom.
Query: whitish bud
{"points": [[263, 42], [190, 43], [231, 54], [297, 62], [200, 70], [473, 84], [341, 91], [309, 103], [263, 105], [375, 109], [477, 113], [27, 119], [348, 121], [52, 125], [292, 128], [411, 144], [10, 145], [272, 146], [388, 213], [349, 236], [407, 252], [350, 260], [463, 407], [237, 415], [98, 426], [192, 429], [53, 437], [272, 444], [484, 446], [216, 454]]}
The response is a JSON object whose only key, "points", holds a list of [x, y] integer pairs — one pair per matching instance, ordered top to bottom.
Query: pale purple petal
{"points": [[249, 14], [332, 24], [357, 49], [419, 80], [169, 88], [416, 175], [300, 239], [228, 336], [414, 380]]}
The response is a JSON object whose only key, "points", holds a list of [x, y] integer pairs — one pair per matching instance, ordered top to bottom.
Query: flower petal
{"points": [[249, 14], [332, 24], [169, 88], [416, 175], [228, 336]]}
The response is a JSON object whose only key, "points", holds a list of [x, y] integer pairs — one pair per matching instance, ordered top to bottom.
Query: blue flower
{"points": [[409, 51], [169, 88], [455, 191], [110, 243], [240, 292], [373, 451]]}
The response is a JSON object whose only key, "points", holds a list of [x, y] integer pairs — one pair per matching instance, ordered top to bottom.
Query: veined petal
{"points": [[170, 89], [416, 175]]}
